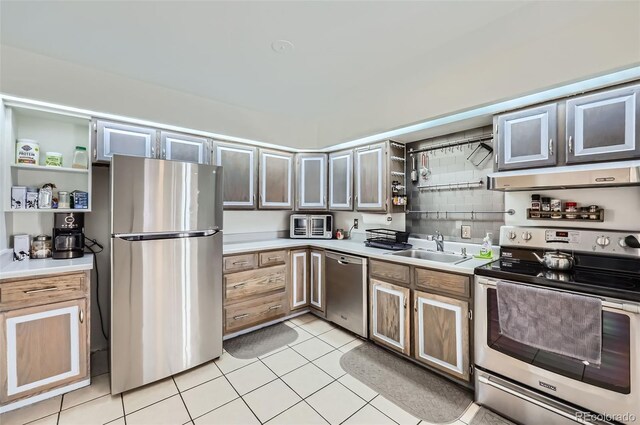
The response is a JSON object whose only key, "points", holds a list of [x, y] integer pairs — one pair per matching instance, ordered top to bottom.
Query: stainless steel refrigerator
{"points": [[166, 268]]}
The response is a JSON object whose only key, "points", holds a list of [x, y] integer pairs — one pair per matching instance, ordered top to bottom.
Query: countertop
{"points": [[357, 247], [27, 268]]}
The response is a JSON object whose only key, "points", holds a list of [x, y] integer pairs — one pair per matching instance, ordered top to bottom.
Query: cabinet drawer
{"points": [[272, 258], [239, 262], [396, 272], [252, 282], [443, 282], [25, 292], [251, 313]]}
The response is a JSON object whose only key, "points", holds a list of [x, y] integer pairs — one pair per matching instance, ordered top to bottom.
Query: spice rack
{"points": [[546, 215]]}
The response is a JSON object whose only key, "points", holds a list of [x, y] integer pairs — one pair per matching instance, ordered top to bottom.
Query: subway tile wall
{"points": [[452, 166]]}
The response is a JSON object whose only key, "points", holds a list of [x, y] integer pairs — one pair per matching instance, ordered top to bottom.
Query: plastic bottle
{"points": [[80, 158], [486, 251]]}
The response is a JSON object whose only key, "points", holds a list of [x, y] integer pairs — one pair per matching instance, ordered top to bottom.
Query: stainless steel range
{"points": [[534, 386]]}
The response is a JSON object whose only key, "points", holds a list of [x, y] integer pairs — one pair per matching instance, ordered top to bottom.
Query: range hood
{"points": [[607, 174]]}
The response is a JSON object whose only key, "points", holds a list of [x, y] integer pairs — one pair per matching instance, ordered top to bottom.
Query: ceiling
{"points": [[356, 66]]}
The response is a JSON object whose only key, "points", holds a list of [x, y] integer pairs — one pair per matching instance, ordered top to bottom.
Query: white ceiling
{"points": [[348, 55]]}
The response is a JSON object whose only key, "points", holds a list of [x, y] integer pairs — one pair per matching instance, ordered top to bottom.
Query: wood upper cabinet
{"points": [[604, 126], [111, 138], [527, 138], [184, 147], [240, 176], [370, 178], [276, 180], [341, 180], [311, 186], [316, 274], [299, 289], [389, 315], [441, 333], [43, 347]]}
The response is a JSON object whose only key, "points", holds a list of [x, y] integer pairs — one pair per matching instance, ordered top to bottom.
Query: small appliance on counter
{"points": [[307, 226], [68, 235], [394, 240]]}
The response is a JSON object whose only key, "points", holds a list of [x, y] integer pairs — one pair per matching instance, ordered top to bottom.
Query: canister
{"points": [[64, 199], [41, 247]]}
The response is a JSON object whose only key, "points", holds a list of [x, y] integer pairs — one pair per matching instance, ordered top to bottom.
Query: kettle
{"points": [[556, 260]]}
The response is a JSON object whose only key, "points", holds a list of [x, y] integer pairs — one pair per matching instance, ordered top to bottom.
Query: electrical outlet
{"points": [[355, 223], [465, 231]]}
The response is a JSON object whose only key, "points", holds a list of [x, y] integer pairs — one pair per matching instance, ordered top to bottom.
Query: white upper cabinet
{"points": [[604, 126], [113, 138], [527, 138], [183, 147], [239, 171], [370, 175], [276, 180], [341, 180], [311, 188]]}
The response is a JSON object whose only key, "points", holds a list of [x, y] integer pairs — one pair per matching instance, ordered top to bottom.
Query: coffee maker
{"points": [[68, 235]]}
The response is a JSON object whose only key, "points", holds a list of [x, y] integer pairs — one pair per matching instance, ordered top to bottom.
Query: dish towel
{"points": [[554, 321]]}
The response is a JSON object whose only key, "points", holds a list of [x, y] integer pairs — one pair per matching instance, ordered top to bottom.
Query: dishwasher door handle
{"points": [[342, 262]]}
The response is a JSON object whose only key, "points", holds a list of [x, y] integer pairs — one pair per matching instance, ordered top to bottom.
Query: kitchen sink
{"points": [[423, 254]]}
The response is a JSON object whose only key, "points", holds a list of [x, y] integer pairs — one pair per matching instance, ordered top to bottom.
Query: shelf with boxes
{"points": [[47, 167]]}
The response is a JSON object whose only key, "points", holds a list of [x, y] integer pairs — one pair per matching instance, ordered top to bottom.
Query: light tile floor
{"points": [[299, 384]]}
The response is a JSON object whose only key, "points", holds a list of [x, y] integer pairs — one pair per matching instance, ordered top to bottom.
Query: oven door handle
{"points": [[622, 306], [573, 417]]}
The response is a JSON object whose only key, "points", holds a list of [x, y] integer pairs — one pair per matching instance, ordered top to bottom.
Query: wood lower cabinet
{"points": [[316, 274], [255, 289], [299, 290], [389, 315], [441, 333], [43, 347]]}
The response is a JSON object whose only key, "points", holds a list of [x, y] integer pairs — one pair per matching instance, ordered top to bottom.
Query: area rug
{"points": [[260, 342], [420, 392]]}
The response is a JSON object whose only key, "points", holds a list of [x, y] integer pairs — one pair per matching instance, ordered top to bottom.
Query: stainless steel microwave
{"points": [[311, 226]]}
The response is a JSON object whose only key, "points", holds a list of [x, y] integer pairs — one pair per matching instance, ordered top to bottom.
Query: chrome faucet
{"points": [[439, 241]]}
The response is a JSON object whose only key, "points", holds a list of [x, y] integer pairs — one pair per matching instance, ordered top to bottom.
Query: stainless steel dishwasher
{"points": [[346, 291]]}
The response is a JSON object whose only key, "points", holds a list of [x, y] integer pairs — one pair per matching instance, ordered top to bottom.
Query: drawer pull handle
{"points": [[273, 258], [240, 263], [239, 285], [47, 289], [275, 307], [81, 316], [241, 316]]}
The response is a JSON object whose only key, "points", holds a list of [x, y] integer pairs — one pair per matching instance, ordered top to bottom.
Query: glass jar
{"points": [[80, 158], [64, 199], [556, 205], [571, 210], [584, 212], [594, 212], [556, 214], [41, 247]]}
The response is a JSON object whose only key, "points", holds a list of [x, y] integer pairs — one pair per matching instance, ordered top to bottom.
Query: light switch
{"points": [[465, 231]]}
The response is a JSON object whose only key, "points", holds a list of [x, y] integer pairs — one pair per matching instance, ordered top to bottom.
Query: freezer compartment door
{"points": [[158, 196], [166, 307]]}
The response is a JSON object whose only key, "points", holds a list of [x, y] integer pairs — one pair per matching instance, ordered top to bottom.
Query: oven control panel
{"points": [[562, 236], [576, 240]]}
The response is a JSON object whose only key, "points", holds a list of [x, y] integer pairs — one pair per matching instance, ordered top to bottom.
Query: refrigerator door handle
{"points": [[165, 235]]}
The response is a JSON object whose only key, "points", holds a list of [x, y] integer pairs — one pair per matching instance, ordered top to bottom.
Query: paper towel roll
{"points": [[380, 219]]}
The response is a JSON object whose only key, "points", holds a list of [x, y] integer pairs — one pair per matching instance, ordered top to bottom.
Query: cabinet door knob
{"points": [[550, 147], [81, 314]]}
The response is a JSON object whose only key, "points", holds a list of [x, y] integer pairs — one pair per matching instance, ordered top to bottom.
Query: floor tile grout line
{"points": [[181, 398], [301, 398], [243, 400], [123, 411]]}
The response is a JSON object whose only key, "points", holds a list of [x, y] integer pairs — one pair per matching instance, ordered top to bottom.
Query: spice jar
{"points": [[556, 205], [545, 207], [571, 209], [584, 212], [594, 212], [41, 247]]}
